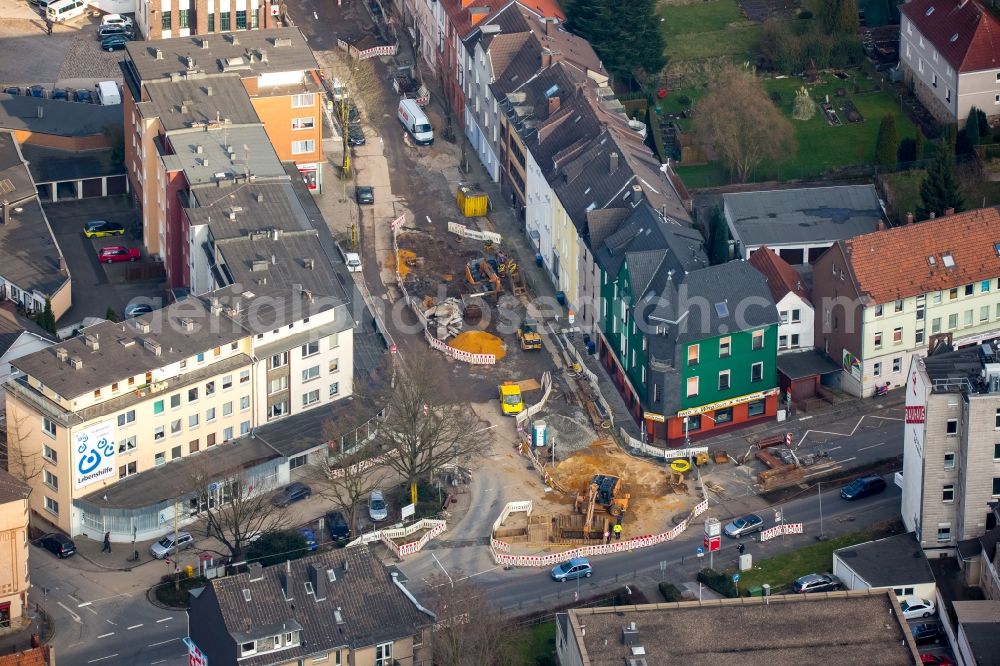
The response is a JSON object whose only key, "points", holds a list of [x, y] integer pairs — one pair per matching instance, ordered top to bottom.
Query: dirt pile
{"points": [[405, 259], [479, 342], [642, 479]]}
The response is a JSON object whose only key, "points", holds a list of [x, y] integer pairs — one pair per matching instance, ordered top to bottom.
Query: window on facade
{"points": [[166, 19], [182, 19], [241, 19], [211, 22], [225, 22], [303, 100], [306, 122], [303, 147], [984, 287], [969, 289], [953, 293], [936, 297], [898, 306], [878, 310], [784, 316], [796, 316], [968, 318], [952, 321], [936, 325], [897, 336], [918, 336], [758, 340], [878, 340], [793, 341], [782, 342], [725, 347], [310, 348], [693, 355], [200, 357], [278, 360], [897, 364], [334, 365], [877, 369], [756, 372], [312, 373], [244, 376], [724, 380], [227, 382], [277, 385], [692, 387], [210, 388], [335, 389], [193, 394], [310, 398], [175, 401], [244, 403], [158, 407], [227, 408], [755, 408], [277, 409], [210, 415], [723, 415], [126, 418], [193, 421], [49, 426], [175, 426], [244, 427], [951, 428], [158, 432], [227, 434], [126, 445], [194, 445], [996, 452], [49, 453], [175, 453], [160, 458], [949, 460], [127, 470], [50, 479], [996, 487], [948, 493], [52, 506], [944, 532], [248, 648], [383, 654]]}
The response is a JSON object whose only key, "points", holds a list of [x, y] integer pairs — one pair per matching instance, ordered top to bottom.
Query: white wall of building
{"points": [[797, 322], [917, 393]]}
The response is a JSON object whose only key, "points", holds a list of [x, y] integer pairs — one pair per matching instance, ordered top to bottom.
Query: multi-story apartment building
{"points": [[163, 19], [949, 54], [942, 281], [791, 297], [691, 347], [126, 399], [951, 448], [14, 575]]}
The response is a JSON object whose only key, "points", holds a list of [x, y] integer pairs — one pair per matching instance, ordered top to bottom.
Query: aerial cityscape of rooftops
{"points": [[499, 332]]}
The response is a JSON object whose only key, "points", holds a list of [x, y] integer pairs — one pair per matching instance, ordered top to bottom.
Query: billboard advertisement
{"points": [[94, 454]]}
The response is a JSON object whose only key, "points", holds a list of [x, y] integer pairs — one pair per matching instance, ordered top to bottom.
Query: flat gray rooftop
{"points": [[247, 53], [190, 102], [20, 112], [226, 153], [49, 165], [258, 206], [807, 215], [29, 255], [891, 562], [835, 628]]}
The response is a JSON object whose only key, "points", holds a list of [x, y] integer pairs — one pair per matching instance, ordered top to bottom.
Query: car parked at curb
{"points": [[116, 19], [114, 43], [12, 90], [37, 91], [60, 94], [83, 96], [365, 194], [115, 253], [353, 262], [864, 486], [293, 492], [377, 509], [744, 525], [336, 526], [309, 536], [59, 545], [167, 545], [578, 567], [816, 583], [914, 607], [926, 633], [927, 659]]}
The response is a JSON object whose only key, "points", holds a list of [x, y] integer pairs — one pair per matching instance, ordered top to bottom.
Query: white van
{"points": [[64, 10], [107, 93], [415, 121]]}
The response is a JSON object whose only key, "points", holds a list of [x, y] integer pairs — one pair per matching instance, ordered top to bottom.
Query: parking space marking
{"points": [[865, 448], [135, 626], [107, 634], [110, 656]]}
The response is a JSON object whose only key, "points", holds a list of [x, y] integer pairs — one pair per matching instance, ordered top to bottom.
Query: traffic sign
{"points": [[393, 348], [777, 516], [712, 543], [700, 551], [736, 578]]}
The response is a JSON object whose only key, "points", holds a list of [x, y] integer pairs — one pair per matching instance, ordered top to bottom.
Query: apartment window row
{"points": [[791, 316], [970, 317], [788, 341], [725, 348], [756, 375], [194, 445]]}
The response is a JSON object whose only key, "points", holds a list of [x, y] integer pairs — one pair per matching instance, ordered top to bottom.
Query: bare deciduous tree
{"points": [[744, 134], [422, 432], [18, 462], [349, 479], [246, 514], [470, 630]]}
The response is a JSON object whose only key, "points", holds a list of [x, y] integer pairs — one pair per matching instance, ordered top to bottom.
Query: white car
{"points": [[116, 19], [353, 261], [377, 509], [915, 607]]}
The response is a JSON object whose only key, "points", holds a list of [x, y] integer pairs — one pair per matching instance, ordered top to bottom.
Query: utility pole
{"points": [[819, 494], [177, 551]]}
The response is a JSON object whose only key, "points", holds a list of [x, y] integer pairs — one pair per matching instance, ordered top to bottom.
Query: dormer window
{"points": [[954, 38], [248, 648]]}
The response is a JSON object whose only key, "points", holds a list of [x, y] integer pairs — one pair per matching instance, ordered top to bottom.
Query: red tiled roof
{"points": [[461, 18], [967, 35], [895, 263], [781, 277], [32, 657]]}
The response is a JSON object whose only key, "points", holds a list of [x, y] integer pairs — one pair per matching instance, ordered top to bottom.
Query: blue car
{"points": [[309, 536], [578, 567]]}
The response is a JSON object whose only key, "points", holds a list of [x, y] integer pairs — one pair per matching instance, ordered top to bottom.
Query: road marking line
{"points": [[871, 447], [833, 448], [847, 460], [442, 568], [479, 573], [84, 604], [92, 610], [76, 618], [164, 619], [110, 622], [134, 626], [106, 635], [163, 642], [110, 656], [154, 663]]}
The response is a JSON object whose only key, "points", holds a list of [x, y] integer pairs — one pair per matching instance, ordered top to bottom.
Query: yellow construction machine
{"points": [[528, 335]]}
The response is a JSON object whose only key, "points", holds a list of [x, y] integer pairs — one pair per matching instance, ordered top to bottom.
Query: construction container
{"points": [[472, 201]]}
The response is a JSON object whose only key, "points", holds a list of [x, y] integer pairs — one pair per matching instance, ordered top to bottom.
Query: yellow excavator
{"points": [[606, 490]]}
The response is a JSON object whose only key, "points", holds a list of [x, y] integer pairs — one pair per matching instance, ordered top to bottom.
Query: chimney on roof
{"points": [[478, 14], [548, 26], [204, 42], [159, 54], [263, 55], [189, 61], [209, 91], [553, 104], [199, 149], [613, 163], [637, 197], [260, 198], [949, 211], [6, 212], [933, 215], [909, 218], [880, 226], [309, 263], [307, 295], [215, 307], [92, 341], [62, 354], [76, 362], [256, 571]]}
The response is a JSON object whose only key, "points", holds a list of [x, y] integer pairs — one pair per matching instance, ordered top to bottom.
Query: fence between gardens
{"points": [[440, 345], [500, 550]]}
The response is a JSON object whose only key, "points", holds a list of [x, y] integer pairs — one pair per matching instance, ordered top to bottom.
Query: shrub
{"points": [[805, 14], [775, 97], [684, 100], [907, 151], [276, 547], [717, 581], [670, 592], [168, 594]]}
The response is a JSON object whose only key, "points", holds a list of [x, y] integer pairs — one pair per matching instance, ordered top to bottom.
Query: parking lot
{"points": [[71, 57], [96, 286]]}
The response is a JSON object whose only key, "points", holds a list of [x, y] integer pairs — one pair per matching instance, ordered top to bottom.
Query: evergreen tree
{"points": [[846, 19], [624, 33], [984, 126], [972, 127], [887, 142], [918, 149], [906, 151], [939, 191], [720, 238], [111, 315], [47, 319]]}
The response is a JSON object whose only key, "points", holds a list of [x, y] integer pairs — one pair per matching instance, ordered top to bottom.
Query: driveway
{"points": [[97, 287]]}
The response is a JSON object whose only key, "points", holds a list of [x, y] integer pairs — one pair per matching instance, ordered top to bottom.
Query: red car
{"points": [[113, 253], [936, 660]]}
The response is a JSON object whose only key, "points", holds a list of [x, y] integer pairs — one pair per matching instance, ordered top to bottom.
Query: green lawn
{"points": [[706, 29], [904, 191], [779, 571], [531, 645]]}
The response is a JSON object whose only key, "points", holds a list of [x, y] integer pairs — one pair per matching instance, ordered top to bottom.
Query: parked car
{"points": [[116, 19], [109, 30], [114, 43], [12, 90], [36, 91], [60, 94], [84, 95], [353, 115], [356, 137], [365, 194], [102, 228], [115, 253], [353, 261], [137, 309], [864, 486], [293, 492], [377, 509], [745, 525], [337, 526], [309, 536], [59, 545], [167, 546], [578, 567], [816, 583], [914, 607], [926, 633], [928, 659]]}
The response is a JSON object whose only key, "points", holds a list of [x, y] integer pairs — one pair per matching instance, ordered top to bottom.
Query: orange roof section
{"points": [[462, 20], [927, 256], [781, 277], [32, 657]]}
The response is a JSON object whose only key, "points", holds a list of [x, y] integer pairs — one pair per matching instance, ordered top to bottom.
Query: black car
{"points": [[114, 43], [12, 90], [37, 91], [60, 94], [84, 95], [353, 115], [356, 137], [365, 194], [864, 486], [293, 492], [337, 526], [58, 544], [926, 633]]}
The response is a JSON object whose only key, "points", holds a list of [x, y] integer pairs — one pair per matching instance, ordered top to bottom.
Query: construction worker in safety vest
{"points": [[618, 531]]}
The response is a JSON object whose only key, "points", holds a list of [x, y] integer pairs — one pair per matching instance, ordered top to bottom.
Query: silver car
{"points": [[377, 510], [166, 545]]}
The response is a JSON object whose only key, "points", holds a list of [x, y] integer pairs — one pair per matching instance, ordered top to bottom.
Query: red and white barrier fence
{"points": [[778, 530]]}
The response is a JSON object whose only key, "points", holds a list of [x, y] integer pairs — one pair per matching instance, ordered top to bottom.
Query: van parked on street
{"points": [[64, 10], [415, 121]]}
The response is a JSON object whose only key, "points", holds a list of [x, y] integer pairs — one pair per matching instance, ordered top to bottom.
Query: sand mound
{"points": [[479, 342]]}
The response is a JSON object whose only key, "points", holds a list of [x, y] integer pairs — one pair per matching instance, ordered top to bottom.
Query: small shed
{"points": [[896, 562]]}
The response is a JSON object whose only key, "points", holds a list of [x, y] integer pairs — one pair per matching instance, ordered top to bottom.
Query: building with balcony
{"points": [[883, 297], [951, 450], [14, 576]]}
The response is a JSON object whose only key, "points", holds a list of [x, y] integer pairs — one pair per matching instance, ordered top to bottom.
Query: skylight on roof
{"points": [[930, 10], [954, 38], [552, 90], [591, 207], [932, 260], [948, 260], [722, 309]]}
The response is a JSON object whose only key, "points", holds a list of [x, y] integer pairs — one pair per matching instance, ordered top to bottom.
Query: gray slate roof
{"points": [[285, 50], [179, 104], [20, 112], [233, 152], [51, 164], [14, 173], [239, 212], [808, 215], [736, 284], [808, 363], [12, 489], [891, 562], [372, 608], [984, 642]]}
